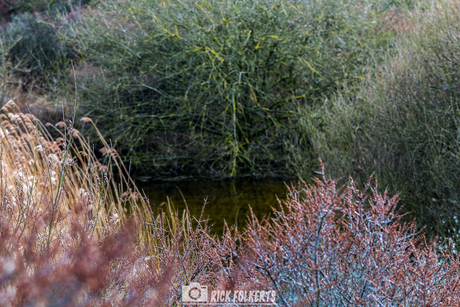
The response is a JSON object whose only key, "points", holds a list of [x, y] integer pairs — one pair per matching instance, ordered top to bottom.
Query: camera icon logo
{"points": [[194, 293]]}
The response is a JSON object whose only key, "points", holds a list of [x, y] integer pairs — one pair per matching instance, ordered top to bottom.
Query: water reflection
{"points": [[226, 201]]}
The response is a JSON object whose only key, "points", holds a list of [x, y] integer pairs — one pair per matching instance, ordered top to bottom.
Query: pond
{"points": [[225, 201]]}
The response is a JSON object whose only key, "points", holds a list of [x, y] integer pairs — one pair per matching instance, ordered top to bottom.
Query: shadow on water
{"points": [[226, 201]]}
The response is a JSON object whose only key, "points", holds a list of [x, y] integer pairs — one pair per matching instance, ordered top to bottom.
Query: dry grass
{"points": [[59, 177], [55, 198], [70, 235]]}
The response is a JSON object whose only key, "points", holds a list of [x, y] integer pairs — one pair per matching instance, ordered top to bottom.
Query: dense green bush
{"points": [[34, 47], [212, 88], [404, 124]]}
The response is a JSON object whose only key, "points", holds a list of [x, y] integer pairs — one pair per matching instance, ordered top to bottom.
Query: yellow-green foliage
{"points": [[212, 87]]}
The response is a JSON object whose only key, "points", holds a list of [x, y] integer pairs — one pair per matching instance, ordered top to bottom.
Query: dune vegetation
{"points": [[95, 93], [71, 236]]}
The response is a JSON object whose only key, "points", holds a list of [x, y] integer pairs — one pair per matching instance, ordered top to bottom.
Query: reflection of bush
{"points": [[212, 87], [410, 130]]}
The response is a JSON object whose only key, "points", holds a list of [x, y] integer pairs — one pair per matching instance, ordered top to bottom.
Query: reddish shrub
{"points": [[341, 247]]}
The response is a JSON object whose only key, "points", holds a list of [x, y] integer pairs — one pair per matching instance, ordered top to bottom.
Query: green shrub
{"points": [[36, 49], [212, 88], [404, 125]]}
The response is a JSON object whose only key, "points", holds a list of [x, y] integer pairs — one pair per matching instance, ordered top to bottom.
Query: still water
{"points": [[225, 201]]}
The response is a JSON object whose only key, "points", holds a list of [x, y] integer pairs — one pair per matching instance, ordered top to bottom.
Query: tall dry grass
{"points": [[50, 175], [55, 198], [71, 235]]}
